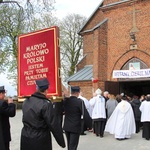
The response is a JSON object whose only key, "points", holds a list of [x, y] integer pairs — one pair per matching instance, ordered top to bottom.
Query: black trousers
{"points": [[137, 123], [83, 126], [99, 127], [146, 130], [72, 140], [7, 146]]}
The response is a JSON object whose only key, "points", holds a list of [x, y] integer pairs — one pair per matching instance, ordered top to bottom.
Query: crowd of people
{"points": [[104, 112], [120, 115]]}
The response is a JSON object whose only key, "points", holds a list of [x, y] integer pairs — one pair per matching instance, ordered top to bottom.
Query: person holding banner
{"points": [[7, 109], [38, 120]]}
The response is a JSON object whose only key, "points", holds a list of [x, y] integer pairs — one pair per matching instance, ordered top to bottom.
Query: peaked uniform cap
{"points": [[42, 83], [2, 89], [75, 89]]}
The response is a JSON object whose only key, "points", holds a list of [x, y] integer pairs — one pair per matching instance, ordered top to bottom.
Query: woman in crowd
{"points": [[111, 105]]}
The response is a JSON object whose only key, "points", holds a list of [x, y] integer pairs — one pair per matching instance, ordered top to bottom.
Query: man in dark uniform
{"points": [[7, 109], [38, 121], [72, 122], [2, 146]]}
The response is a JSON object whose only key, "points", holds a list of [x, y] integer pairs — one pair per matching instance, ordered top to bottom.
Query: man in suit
{"points": [[7, 109], [72, 122]]}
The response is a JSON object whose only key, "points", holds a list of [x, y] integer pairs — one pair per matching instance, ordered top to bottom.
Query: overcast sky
{"points": [[63, 7], [83, 7]]}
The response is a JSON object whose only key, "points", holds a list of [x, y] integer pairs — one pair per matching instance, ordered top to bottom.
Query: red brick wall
{"points": [[110, 1], [96, 19], [119, 40], [108, 47], [88, 48], [81, 64], [86, 88]]}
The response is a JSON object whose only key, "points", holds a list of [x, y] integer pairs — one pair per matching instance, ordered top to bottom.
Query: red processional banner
{"points": [[38, 58]]}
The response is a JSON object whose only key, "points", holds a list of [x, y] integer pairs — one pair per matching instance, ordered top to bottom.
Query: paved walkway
{"points": [[87, 142]]}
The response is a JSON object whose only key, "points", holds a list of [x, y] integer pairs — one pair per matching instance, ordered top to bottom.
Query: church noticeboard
{"points": [[39, 58]]}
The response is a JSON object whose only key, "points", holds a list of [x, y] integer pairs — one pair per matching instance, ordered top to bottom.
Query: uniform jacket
{"points": [[6, 111], [73, 112], [38, 121]]}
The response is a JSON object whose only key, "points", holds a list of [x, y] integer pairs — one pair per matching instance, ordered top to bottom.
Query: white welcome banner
{"points": [[131, 73]]}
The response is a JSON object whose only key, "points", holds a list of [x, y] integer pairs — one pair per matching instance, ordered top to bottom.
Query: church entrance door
{"points": [[130, 88], [135, 88]]}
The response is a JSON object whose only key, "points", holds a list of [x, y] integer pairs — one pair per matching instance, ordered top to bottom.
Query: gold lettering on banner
{"points": [[134, 28], [36, 47], [35, 56], [35, 66], [42, 70], [36, 76]]}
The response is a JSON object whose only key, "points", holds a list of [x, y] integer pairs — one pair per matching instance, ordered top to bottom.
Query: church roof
{"points": [[101, 6], [91, 15], [95, 27], [84, 74]]}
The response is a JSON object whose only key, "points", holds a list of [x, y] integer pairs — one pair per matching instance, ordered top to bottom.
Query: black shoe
{"points": [[83, 134], [101, 136], [147, 138], [119, 139]]}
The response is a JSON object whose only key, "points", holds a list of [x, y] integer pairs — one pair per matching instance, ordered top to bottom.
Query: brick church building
{"points": [[116, 37]]}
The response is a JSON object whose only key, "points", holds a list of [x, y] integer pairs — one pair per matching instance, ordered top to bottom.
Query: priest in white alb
{"points": [[145, 117], [121, 123]]}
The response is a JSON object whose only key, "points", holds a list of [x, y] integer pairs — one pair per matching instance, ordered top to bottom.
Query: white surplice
{"points": [[145, 109], [121, 123]]}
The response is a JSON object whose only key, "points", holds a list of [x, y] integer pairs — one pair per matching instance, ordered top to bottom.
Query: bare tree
{"points": [[46, 4], [18, 17], [23, 19], [11, 25], [71, 43]]}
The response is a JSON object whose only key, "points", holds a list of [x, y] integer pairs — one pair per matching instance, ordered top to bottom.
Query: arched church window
{"points": [[134, 64]]}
